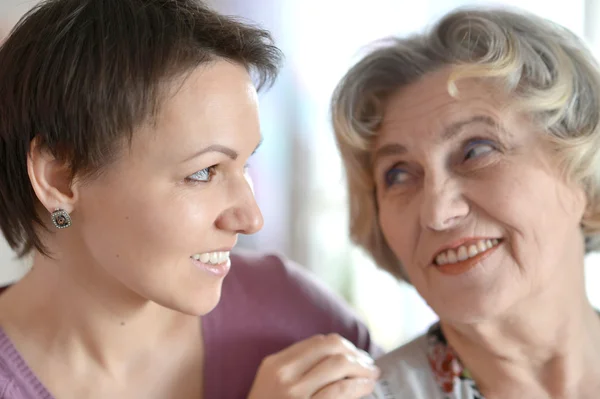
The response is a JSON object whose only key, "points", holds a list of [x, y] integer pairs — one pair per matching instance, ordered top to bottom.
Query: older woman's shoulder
{"points": [[405, 373]]}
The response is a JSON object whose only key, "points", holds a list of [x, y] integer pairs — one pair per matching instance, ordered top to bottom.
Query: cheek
{"points": [[510, 194], [531, 207], [137, 226], [396, 227]]}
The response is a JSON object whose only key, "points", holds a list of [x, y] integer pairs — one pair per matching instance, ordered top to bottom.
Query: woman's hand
{"points": [[320, 367]]}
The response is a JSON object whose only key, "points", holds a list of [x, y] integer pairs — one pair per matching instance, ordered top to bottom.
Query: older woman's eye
{"points": [[478, 148], [203, 175], [396, 175]]}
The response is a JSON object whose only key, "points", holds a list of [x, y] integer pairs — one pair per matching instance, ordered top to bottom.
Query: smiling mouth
{"points": [[464, 252], [212, 258]]}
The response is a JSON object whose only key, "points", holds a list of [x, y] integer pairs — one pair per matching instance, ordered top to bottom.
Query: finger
{"points": [[303, 356], [338, 367], [353, 388]]}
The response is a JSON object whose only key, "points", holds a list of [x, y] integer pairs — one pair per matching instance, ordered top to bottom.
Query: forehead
{"points": [[208, 92], [215, 102], [426, 107]]}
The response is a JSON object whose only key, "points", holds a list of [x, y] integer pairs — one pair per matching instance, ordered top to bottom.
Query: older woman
{"points": [[125, 129], [473, 159]]}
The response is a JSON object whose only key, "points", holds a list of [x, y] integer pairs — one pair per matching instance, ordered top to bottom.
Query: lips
{"points": [[469, 249]]}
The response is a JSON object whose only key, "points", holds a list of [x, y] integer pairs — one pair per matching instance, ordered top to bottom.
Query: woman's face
{"points": [[471, 201], [162, 219]]}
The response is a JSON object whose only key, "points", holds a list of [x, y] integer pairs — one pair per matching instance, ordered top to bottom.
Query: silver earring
{"points": [[61, 219]]}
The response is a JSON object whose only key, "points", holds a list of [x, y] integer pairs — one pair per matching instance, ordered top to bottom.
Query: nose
{"points": [[443, 204], [244, 216]]}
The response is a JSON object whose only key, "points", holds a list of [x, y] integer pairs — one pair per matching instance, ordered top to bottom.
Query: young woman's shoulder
{"points": [[281, 292], [16, 379]]}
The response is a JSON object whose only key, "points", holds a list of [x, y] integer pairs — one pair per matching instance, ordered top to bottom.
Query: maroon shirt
{"points": [[267, 305]]}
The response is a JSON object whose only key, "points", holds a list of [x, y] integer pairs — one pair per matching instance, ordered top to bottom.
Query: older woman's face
{"points": [[471, 201], [162, 219]]}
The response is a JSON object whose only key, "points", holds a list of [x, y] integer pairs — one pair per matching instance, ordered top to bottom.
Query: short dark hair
{"points": [[81, 75]]}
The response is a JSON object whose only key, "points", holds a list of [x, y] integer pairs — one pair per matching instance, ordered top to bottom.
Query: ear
{"points": [[50, 178]]}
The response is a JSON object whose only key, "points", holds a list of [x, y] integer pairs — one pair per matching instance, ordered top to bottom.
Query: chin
{"points": [[198, 304], [468, 310]]}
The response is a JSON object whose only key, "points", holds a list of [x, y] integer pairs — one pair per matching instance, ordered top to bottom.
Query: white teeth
{"points": [[481, 246], [473, 250], [465, 252], [462, 253], [451, 256], [215, 258], [441, 259]]}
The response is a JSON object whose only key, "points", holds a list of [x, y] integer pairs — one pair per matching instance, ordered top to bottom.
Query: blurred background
{"points": [[297, 172]]}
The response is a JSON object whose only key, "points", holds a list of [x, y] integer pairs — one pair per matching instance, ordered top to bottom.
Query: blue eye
{"points": [[477, 148], [203, 175], [396, 175]]}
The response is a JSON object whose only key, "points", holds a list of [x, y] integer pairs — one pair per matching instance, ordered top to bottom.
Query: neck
{"points": [[89, 315], [549, 342]]}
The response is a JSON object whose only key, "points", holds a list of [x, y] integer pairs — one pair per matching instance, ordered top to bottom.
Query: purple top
{"points": [[267, 305]]}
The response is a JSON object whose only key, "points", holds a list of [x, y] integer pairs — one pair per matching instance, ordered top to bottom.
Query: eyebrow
{"points": [[448, 133], [222, 149]]}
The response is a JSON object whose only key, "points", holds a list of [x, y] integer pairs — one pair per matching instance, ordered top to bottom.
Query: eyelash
{"points": [[473, 144], [205, 175], [391, 175], [202, 176]]}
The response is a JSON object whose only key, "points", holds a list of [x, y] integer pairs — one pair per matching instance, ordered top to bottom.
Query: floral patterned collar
{"points": [[454, 380]]}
